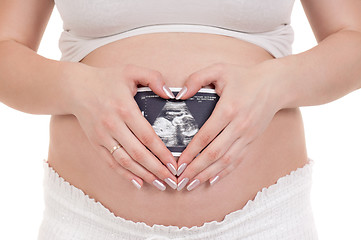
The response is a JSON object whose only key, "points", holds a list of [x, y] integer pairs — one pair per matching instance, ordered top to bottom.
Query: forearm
{"points": [[320, 75], [34, 84]]}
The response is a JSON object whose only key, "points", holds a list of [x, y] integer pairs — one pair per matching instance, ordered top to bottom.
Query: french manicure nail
{"points": [[168, 92], [181, 93], [172, 168], [181, 169], [214, 180], [171, 183], [136, 184], [182, 184], [193, 184], [159, 185]]}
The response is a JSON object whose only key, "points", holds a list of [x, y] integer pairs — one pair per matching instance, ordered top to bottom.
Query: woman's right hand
{"points": [[104, 105]]}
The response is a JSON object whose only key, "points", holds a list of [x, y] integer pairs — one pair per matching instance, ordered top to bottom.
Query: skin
{"points": [[245, 120], [259, 143], [278, 151]]}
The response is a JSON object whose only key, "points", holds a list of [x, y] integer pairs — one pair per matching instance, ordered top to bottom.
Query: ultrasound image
{"points": [[176, 121], [175, 124]]}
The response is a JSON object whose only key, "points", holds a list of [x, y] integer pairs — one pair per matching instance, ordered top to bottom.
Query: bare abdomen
{"points": [[278, 151]]}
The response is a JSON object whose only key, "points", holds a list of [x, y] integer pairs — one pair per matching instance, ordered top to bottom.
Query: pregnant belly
{"points": [[278, 151]]}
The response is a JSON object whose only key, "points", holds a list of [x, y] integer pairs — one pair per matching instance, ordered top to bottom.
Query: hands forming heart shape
{"points": [[247, 100]]}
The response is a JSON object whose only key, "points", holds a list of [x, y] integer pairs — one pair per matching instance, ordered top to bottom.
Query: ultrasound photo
{"points": [[176, 121]]}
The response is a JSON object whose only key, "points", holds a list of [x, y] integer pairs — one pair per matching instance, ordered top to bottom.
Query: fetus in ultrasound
{"points": [[175, 124]]}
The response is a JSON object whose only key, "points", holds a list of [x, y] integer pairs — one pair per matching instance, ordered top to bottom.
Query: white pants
{"points": [[279, 212]]}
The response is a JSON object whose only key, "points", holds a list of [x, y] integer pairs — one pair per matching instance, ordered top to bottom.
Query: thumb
{"points": [[152, 79], [199, 79]]}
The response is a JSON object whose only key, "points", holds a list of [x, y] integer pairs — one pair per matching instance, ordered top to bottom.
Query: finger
{"points": [[210, 75], [148, 77], [216, 123], [149, 138], [221, 144], [137, 151], [213, 152], [122, 157], [223, 166], [132, 178]]}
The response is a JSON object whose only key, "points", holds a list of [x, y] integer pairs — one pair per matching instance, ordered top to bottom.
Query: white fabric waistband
{"points": [[277, 42], [281, 211]]}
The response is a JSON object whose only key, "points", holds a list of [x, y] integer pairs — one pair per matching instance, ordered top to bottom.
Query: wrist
{"points": [[278, 75], [74, 77]]}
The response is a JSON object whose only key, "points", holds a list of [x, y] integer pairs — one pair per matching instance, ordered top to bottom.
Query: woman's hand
{"points": [[104, 105], [245, 108]]}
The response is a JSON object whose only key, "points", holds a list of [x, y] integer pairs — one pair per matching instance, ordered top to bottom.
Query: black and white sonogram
{"points": [[176, 121]]}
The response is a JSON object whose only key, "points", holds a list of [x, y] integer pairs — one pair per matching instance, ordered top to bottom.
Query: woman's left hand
{"points": [[248, 101]]}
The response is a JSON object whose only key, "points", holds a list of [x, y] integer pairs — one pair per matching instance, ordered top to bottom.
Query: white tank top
{"points": [[89, 24]]}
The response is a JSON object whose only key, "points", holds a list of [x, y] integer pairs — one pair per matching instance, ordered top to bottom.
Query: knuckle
{"points": [[220, 66], [128, 68], [156, 75], [195, 77], [123, 111], [229, 111], [247, 121], [108, 123], [243, 128], [240, 129], [250, 133], [100, 135], [204, 138], [147, 139], [212, 154], [137, 155], [209, 159], [239, 159], [226, 160], [125, 162], [113, 164], [228, 170], [204, 176]]}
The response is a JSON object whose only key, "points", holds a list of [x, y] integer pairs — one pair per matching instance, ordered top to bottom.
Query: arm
{"points": [[330, 70], [327, 72], [29, 82], [33, 84], [108, 116]]}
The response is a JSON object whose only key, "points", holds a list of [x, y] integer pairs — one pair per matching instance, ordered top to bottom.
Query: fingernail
{"points": [[168, 92], [181, 93], [172, 168], [181, 169], [214, 180], [171, 183], [136, 184], [182, 184], [193, 184], [159, 185]]}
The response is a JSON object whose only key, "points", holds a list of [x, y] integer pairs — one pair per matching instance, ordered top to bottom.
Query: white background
{"points": [[333, 135]]}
